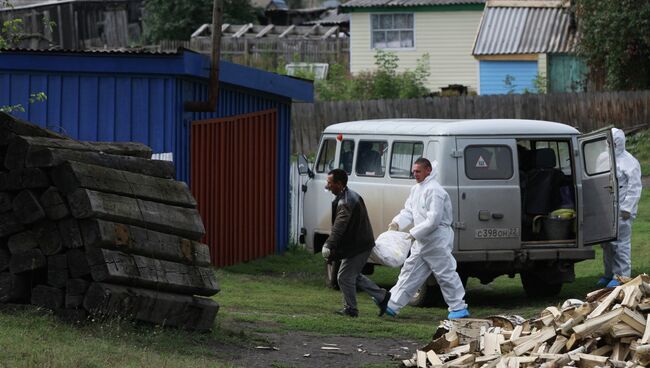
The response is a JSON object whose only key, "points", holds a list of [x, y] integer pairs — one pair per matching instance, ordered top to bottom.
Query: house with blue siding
{"points": [[528, 46], [140, 96]]}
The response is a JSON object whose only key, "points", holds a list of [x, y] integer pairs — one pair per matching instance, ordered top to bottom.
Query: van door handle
{"points": [[497, 216]]}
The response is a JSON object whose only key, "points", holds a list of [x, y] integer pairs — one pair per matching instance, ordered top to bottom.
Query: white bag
{"points": [[391, 249]]}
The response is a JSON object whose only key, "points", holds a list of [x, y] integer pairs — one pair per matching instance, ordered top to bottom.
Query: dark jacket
{"points": [[351, 230]]}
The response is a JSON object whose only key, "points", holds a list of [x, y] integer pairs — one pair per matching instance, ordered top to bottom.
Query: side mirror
{"points": [[303, 166]]}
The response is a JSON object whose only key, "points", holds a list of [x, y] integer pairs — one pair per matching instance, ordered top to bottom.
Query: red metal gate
{"points": [[233, 178]]}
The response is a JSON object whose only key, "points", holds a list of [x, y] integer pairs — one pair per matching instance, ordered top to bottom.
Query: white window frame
{"points": [[372, 31]]}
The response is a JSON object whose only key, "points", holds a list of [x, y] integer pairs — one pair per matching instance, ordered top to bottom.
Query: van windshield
{"points": [[325, 161]]}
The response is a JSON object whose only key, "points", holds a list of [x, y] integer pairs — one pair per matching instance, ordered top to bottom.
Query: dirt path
{"points": [[300, 349]]}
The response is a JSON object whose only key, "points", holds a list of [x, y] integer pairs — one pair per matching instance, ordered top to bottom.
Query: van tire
{"points": [[331, 272], [536, 286], [430, 295]]}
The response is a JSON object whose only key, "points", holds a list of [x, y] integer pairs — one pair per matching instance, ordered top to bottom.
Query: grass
{"points": [[279, 294]]}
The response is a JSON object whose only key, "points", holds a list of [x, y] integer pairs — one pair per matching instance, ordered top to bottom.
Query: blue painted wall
{"points": [[492, 75], [139, 97]]}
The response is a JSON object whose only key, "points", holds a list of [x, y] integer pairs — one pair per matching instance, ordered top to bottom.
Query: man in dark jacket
{"points": [[351, 241]]}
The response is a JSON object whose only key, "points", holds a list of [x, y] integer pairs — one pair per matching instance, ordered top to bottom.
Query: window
{"points": [[392, 31], [347, 151], [596, 156], [371, 158], [402, 158], [325, 161], [488, 162]]}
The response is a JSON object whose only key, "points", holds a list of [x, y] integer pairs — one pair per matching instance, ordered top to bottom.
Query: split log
{"points": [[11, 126], [20, 146], [50, 157], [70, 176], [33, 178], [6, 201], [53, 204], [27, 208], [185, 222], [9, 224], [70, 233], [48, 237], [136, 240], [22, 242], [30, 260], [77, 263], [127, 269], [57, 270], [13, 288], [75, 290], [47, 297], [157, 307]]}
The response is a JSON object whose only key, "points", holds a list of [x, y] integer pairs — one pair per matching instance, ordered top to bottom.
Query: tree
{"points": [[177, 19], [615, 41]]}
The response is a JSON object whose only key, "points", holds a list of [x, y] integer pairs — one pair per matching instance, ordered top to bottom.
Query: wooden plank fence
{"points": [[586, 111]]}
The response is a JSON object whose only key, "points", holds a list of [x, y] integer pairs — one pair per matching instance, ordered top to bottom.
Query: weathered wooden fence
{"points": [[270, 53], [585, 111]]}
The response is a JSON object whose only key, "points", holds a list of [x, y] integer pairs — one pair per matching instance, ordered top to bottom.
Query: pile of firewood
{"points": [[101, 229], [610, 329]]}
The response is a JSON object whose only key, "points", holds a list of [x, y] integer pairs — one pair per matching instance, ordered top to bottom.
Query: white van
{"points": [[529, 197]]}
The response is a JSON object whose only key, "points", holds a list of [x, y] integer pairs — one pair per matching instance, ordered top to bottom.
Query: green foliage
{"points": [[178, 19], [614, 41], [382, 83], [541, 83], [639, 146]]}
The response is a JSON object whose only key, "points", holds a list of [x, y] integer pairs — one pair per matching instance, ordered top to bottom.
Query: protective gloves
{"points": [[625, 215], [393, 227], [326, 251]]}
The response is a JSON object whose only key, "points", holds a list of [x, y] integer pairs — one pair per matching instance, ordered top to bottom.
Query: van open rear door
{"points": [[599, 187]]}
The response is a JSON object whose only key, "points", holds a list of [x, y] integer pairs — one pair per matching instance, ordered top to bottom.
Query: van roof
{"points": [[452, 127]]}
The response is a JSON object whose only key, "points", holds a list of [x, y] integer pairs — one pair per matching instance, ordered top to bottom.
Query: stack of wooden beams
{"points": [[101, 229], [610, 329]]}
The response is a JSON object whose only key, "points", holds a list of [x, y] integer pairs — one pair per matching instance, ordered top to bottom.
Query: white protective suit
{"points": [[428, 208], [616, 254]]}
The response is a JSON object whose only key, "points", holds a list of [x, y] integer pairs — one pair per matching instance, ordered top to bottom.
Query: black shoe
{"points": [[383, 304], [347, 311]]}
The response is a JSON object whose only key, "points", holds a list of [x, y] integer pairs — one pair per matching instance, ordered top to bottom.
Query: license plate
{"points": [[495, 233]]}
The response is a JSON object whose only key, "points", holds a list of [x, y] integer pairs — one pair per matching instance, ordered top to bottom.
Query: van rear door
{"points": [[599, 187], [489, 210]]}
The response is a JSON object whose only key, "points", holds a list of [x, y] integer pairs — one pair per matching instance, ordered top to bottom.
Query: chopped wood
{"points": [[51, 157], [71, 176], [20, 179], [6, 200], [181, 221], [9, 224], [70, 233], [22, 242], [5, 257], [30, 260], [77, 263], [57, 270], [13, 288], [632, 295], [47, 297], [634, 319], [621, 329], [545, 334], [644, 340], [558, 345], [642, 355], [421, 357], [433, 358], [590, 360]]}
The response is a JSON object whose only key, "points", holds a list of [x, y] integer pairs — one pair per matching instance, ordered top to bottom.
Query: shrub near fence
{"points": [[586, 111]]}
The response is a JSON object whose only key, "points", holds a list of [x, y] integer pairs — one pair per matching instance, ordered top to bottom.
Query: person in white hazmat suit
{"points": [[428, 208], [616, 254]]}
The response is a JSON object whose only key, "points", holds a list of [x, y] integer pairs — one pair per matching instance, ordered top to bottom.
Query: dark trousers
{"points": [[350, 278]]}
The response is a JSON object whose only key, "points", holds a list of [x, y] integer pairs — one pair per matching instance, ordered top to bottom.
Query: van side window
{"points": [[347, 152], [596, 156], [371, 158], [402, 158], [325, 161], [488, 162]]}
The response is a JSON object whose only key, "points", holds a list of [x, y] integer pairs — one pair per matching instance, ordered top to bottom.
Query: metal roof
{"points": [[401, 3], [525, 30], [452, 127]]}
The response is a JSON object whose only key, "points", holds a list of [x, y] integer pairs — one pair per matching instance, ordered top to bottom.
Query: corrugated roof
{"points": [[401, 3], [525, 30]]}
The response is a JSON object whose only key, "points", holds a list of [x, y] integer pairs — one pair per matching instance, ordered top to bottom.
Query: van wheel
{"points": [[331, 272], [537, 286], [429, 294]]}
